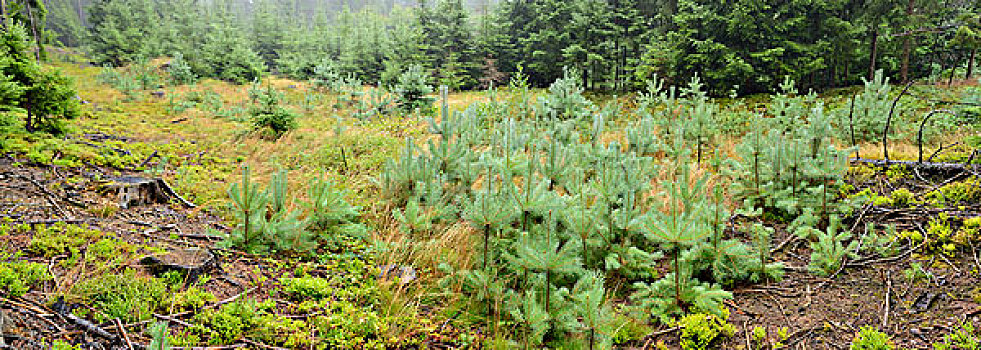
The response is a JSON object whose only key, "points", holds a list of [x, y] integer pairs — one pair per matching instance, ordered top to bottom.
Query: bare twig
{"points": [[780, 246], [949, 263], [231, 299], [887, 302], [173, 319], [122, 330], [749, 344]]}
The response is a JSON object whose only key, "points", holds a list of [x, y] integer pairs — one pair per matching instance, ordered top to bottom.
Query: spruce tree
{"points": [[45, 95]]}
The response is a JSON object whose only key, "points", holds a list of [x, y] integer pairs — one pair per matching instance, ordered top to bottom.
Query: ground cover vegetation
{"points": [[524, 175]]}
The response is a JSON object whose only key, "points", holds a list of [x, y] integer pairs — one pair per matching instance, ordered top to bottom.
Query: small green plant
{"points": [[180, 71], [144, 73], [413, 91], [269, 116], [330, 213], [830, 250], [916, 273], [16, 278], [704, 331], [963, 337], [868, 338], [159, 339]]}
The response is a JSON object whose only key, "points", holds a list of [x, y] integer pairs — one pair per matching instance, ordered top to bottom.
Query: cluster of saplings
{"points": [[564, 218]]}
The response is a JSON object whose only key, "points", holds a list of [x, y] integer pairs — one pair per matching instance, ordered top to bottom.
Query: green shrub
{"points": [[250, 319], [868, 338]]}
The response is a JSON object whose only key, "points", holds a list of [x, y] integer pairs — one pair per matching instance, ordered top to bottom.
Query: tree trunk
{"points": [[37, 39], [907, 45], [872, 53], [970, 64], [953, 70], [30, 118]]}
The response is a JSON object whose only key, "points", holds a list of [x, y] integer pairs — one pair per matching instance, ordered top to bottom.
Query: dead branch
{"points": [[885, 130], [924, 166]]}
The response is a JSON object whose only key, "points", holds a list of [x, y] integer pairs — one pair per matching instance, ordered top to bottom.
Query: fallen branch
{"points": [[147, 160], [926, 166], [51, 222], [62, 309], [122, 330], [261, 345]]}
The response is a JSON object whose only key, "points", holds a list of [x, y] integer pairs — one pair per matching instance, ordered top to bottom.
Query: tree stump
{"points": [[136, 191], [192, 262]]}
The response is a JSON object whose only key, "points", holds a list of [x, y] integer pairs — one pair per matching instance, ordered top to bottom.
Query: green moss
{"points": [[954, 193], [902, 197], [60, 239], [16, 278], [305, 288], [125, 296], [193, 298], [250, 319], [347, 325], [704, 331], [61, 345]]}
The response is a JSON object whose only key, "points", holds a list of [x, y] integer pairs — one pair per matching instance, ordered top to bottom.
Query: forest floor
{"points": [[61, 218]]}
